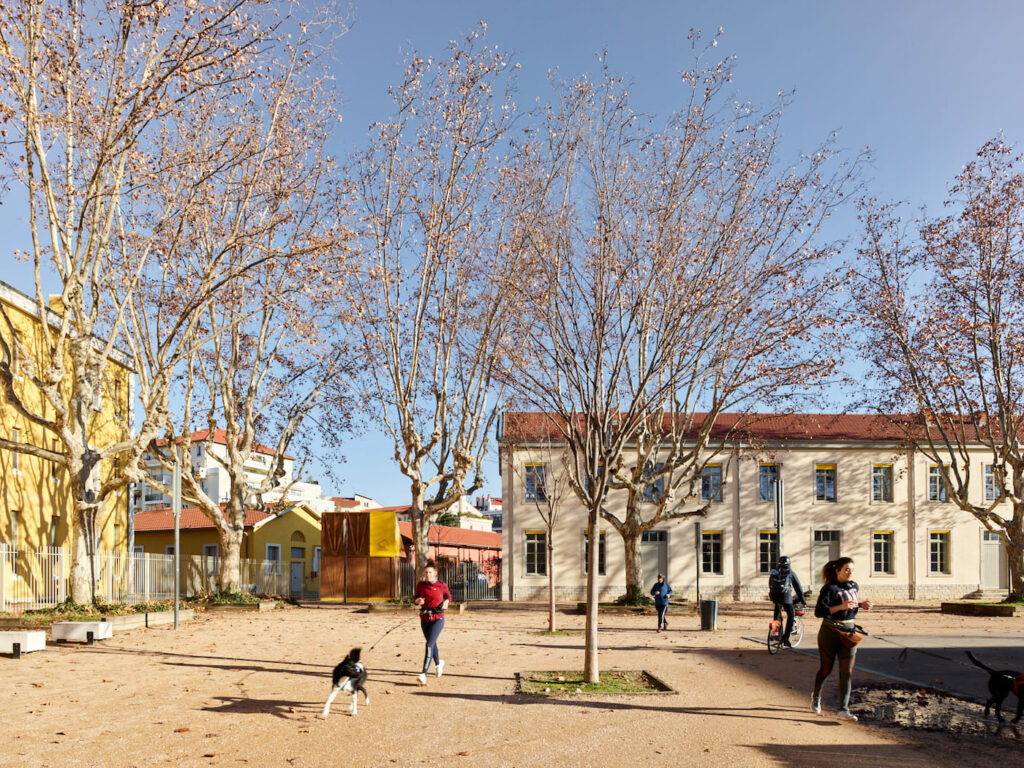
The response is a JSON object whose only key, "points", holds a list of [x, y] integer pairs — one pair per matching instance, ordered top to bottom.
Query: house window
{"points": [[117, 398], [15, 456], [767, 475], [534, 477], [711, 482], [825, 482], [990, 482], [881, 483], [937, 487], [654, 491], [54, 521], [14, 529], [169, 549], [211, 550], [767, 550], [600, 552], [711, 552], [881, 552], [938, 552], [537, 553], [273, 558], [316, 562]]}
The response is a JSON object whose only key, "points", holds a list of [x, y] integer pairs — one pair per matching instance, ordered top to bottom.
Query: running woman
{"points": [[661, 591], [432, 596], [837, 606]]}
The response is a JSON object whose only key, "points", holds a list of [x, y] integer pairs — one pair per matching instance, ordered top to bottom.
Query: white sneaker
{"points": [[440, 668], [421, 678], [816, 704], [847, 715]]}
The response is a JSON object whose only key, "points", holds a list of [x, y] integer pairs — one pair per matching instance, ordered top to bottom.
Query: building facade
{"points": [[207, 457], [850, 487], [35, 502]]}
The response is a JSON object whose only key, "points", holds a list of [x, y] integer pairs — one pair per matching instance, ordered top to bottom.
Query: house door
{"points": [[824, 548], [653, 556], [993, 562], [295, 583]]}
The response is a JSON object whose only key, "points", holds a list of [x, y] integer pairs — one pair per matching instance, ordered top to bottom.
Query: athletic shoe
{"points": [[659, 629], [786, 644], [440, 668], [421, 678], [816, 704], [847, 715]]}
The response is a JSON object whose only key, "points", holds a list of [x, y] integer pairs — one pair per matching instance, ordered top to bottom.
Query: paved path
{"points": [[935, 661]]}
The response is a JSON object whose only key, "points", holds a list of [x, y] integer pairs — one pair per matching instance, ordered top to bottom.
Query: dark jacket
{"points": [[787, 581], [834, 594]]}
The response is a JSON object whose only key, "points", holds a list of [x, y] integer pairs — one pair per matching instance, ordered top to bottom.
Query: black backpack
{"points": [[778, 583]]}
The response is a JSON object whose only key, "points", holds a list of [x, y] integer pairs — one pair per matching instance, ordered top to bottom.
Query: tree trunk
{"points": [[420, 530], [231, 559], [1015, 559], [634, 565], [82, 568], [551, 582], [591, 672]]}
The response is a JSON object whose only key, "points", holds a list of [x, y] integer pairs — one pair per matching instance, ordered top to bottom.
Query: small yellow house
{"points": [[35, 508], [287, 541]]}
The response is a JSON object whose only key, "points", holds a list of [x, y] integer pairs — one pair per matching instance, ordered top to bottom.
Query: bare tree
{"points": [[91, 97], [436, 241], [673, 276], [942, 304], [274, 338], [546, 485]]}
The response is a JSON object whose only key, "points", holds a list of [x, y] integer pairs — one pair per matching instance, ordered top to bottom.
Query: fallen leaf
{"points": [[181, 730]]}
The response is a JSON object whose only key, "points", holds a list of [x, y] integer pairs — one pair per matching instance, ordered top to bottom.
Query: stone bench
{"points": [[89, 631], [17, 642]]}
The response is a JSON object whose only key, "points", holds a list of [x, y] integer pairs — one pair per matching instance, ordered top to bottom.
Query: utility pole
{"points": [[176, 503]]}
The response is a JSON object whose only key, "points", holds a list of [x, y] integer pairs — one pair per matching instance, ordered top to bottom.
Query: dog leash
{"points": [[399, 624]]}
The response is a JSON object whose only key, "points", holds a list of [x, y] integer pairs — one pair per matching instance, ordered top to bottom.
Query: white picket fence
{"points": [[30, 580]]}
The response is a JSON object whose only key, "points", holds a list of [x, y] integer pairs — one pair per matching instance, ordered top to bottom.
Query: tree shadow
{"points": [[286, 710], [762, 713]]}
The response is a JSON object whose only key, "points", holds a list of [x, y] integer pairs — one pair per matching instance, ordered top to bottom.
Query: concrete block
{"points": [[88, 631], [25, 640]]}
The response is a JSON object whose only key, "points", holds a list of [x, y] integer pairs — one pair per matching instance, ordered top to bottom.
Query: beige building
{"points": [[850, 485]]}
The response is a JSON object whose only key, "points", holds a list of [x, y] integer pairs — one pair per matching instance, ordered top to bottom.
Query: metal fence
{"points": [[30, 580], [467, 580]]}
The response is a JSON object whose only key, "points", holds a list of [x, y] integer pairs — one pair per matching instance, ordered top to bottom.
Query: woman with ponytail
{"points": [[837, 607]]}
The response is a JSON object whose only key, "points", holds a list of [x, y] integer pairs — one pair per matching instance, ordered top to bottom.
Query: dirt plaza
{"points": [[247, 689]]}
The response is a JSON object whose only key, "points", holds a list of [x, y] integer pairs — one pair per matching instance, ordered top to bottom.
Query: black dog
{"points": [[350, 675], [1002, 682]]}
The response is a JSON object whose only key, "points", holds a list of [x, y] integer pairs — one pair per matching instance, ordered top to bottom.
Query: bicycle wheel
{"points": [[798, 632], [774, 637]]}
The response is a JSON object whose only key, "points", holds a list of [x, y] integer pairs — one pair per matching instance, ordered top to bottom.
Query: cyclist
{"points": [[781, 583]]}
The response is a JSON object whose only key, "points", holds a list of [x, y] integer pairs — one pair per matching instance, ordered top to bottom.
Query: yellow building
{"points": [[36, 507], [287, 541]]}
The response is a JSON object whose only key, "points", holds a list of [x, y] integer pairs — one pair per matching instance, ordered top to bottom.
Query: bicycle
{"points": [[795, 636]]}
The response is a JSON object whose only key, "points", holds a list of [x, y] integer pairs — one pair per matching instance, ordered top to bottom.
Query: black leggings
{"points": [[788, 608], [662, 610], [431, 631], [831, 649]]}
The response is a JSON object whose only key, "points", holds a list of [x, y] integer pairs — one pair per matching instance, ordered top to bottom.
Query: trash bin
{"points": [[709, 614]]}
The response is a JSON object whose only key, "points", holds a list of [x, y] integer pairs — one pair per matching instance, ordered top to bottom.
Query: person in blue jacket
{"points": [[661, 591]]}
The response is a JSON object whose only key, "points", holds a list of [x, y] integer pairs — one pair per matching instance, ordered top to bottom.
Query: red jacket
{"points": [[433, 596]]}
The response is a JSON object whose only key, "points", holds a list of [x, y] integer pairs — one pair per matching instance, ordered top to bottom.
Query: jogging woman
{"points": [[661, 591], [432, 596], [837, 607]]}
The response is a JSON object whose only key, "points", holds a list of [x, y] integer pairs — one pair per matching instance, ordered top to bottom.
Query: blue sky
{"points": [[922, 84]]}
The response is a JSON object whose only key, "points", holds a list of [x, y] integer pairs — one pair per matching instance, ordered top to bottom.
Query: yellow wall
{"points": [[32, 491], [298, 529]]}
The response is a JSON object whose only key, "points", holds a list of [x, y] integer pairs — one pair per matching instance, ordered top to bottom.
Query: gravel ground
{"points": [[243, 689]]}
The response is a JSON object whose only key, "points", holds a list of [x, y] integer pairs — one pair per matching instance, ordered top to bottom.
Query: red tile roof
{"points": [[763, 426], [220, 437], [345, 502], [191, 518], [448, 536]]}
